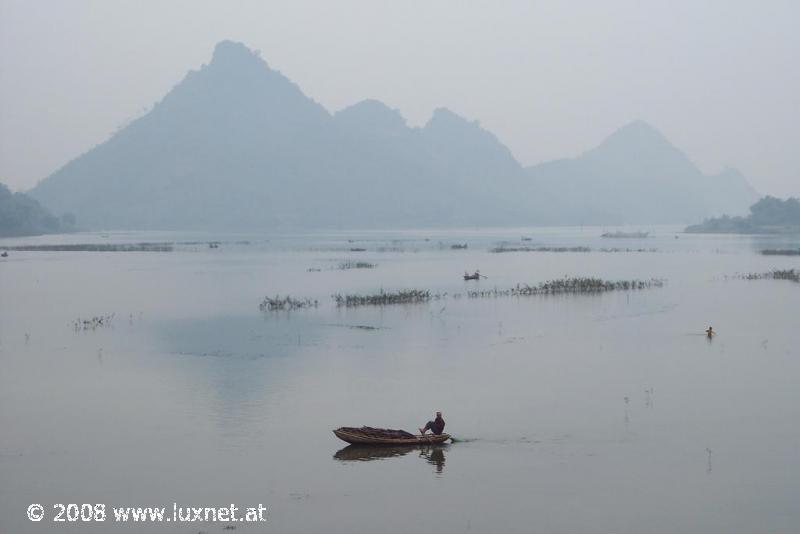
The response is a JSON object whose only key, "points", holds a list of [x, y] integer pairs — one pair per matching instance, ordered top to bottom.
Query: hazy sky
{"points": [[551, 79]]}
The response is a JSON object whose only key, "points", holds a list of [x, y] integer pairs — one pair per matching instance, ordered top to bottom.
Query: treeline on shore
{"points": [[21, 215], [770, 215]]}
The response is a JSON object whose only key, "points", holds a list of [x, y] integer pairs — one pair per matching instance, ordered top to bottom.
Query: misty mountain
{"points": [[237, 145], [635, 176], [21, 215]]}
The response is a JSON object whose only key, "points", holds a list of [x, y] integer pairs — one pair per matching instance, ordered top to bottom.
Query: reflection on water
{"points": [[433, 454]]}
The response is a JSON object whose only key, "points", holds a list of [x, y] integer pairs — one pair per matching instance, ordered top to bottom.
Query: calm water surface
{"points": [[576, 414]]}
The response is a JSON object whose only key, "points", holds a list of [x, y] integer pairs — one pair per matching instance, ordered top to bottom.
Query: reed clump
{"points": [[96, 247], [510, 248], [524, 248], [617, 249], [781, 252], [346, 265], [777, 274], [575, 285], [403, 296], [286, 303], [92, 323]]}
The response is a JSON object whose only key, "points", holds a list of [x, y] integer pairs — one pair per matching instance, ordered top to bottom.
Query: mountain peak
{"points": [[233, 54], [371, 114], [447, 116], [636, 133]]}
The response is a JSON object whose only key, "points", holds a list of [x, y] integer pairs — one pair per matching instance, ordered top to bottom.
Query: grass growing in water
{"points": [[96, 247], [511, 248], [781, 252], [346, 265], [777, 274], [575, 285], [561, 286], [404, 296], [286, 303], [93, 323]]}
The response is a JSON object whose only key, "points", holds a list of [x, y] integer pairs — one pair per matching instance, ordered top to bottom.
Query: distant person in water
{"points": [[710, 332], [436, 426]]}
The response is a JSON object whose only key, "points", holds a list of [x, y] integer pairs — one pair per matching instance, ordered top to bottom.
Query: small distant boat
{"points": [[625, 234], [4, 254], [474, 276], [386, 436]]}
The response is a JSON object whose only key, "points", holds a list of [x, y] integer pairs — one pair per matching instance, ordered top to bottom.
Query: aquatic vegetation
{"points": [[619, 235], [451, 246], [97, 247], [510, 248], [524, 248], [393, 249], [616, 249], [781, 252], [346, 265], [786, 274], [575, 285], [568, 286], [550, 287], [403, 296], [286, 303], [92, 323], [359, 327]]}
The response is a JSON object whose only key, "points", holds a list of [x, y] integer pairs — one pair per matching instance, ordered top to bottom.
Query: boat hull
{"points": [[360, 439]]}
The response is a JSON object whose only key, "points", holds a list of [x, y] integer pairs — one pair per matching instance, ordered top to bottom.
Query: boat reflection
{"points": [[433, 454]]}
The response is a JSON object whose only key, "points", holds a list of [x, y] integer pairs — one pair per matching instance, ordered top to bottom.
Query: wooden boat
{"points": [[475, 276], [385, 436]]}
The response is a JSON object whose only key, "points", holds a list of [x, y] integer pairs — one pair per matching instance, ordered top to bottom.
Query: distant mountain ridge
{"points": [[237, 145], [636, 175]]}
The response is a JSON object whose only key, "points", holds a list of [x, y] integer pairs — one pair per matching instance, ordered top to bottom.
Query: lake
{"points": [[574, 413]]}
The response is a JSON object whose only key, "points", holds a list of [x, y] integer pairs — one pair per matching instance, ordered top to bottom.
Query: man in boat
{"points": [[710, 332], [436, 426]]}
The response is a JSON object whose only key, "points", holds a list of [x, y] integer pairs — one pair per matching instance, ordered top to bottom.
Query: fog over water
{"points": [[578, 413]]}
